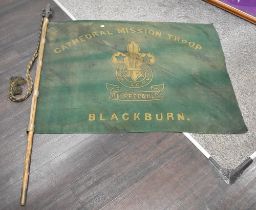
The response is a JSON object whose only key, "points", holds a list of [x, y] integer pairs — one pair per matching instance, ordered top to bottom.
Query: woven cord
{"points": [[15, 89]]}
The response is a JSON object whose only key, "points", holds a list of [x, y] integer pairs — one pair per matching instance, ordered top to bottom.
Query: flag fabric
{"points": [[121, 76]]}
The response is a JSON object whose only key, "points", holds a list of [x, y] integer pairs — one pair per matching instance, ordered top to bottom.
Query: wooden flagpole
{"points": [[27, 160]]}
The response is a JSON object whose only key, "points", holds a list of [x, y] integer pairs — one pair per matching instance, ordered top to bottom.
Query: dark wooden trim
{"points": [[232, 10], [231, 175]]}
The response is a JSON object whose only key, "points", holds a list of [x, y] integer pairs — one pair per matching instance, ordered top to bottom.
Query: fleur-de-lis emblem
{"points": [[132, 66]]}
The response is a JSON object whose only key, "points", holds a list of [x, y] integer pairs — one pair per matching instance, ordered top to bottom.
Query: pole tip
{"points": [[23, 195]]}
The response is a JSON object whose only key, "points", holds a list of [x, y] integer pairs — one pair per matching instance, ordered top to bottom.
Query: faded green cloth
{"points": [[119, 76]]}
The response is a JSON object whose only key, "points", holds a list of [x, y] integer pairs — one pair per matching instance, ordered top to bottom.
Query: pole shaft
{"points": [[27, 160], [26, 169]]}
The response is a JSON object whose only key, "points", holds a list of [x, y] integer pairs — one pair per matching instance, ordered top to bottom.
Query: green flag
{"points": [[116, 76]]}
